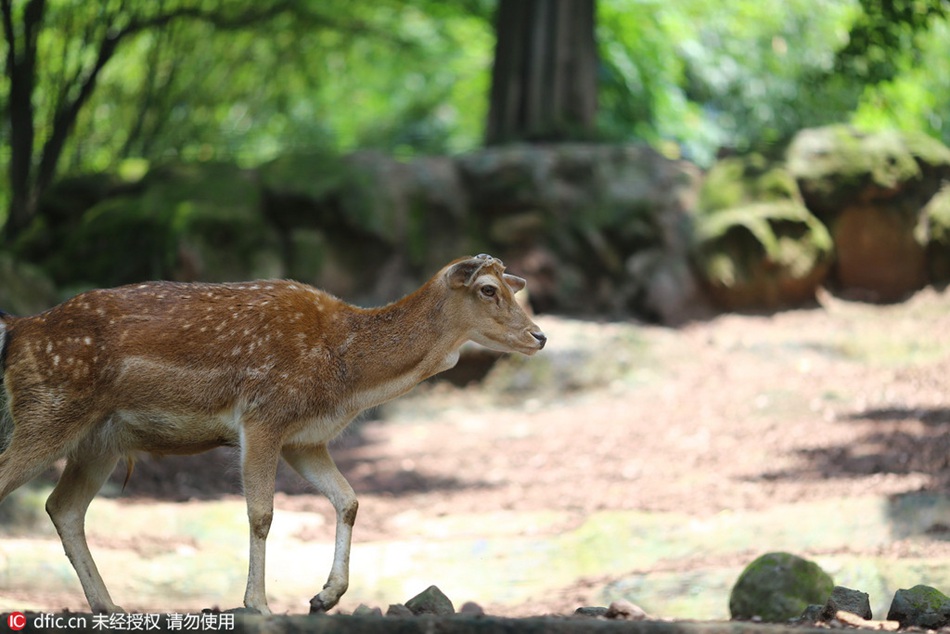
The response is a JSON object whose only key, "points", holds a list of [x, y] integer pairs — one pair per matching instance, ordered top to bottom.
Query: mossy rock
{"points": [[838, 166], [741, 180], [305, 189], [364, 192], [185, 221], [372, 221], [935, 230], [881, 254], [762, 256], [24, 288], [778, 587], [920, 606]]}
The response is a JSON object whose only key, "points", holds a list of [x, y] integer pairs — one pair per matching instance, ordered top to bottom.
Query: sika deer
{"points": [[276, 368]]}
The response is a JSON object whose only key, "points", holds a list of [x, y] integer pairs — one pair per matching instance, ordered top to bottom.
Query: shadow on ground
{"points": [[215, 473]]}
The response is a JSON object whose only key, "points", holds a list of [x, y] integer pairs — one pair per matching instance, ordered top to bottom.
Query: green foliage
{"points": [[885, 33], [388, 74], [704, 75], [412, 76], [917, 96], [182, 222]]}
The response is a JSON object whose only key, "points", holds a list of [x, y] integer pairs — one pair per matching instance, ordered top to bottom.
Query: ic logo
{"points": [[16, 621]]}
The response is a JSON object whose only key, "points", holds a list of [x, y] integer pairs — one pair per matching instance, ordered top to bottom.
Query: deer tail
{"points": [[129, 468]]}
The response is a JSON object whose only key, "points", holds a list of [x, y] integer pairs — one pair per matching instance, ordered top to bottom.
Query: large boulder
{"points": [[870, 189], [614, 220], [366, 225], [935, 231], [762, 256], [778, 587], [920, 606]]}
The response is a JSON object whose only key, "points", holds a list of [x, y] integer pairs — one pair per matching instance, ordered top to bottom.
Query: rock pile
{"points": [[782, 588]]}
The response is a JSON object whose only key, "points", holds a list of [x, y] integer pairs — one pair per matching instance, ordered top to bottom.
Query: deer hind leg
{"points": [[33, 448], [259, 457], [317, 467], [81, 480]]}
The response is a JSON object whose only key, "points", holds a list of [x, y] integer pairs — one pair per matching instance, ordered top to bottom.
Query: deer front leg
{"points": [[259, 457], [317, 467]]}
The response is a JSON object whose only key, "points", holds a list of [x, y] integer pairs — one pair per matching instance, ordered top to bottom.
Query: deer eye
{"points": [[488, 290]]}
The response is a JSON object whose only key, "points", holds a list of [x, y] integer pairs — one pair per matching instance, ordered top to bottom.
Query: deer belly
{"points": [[172, 433]]}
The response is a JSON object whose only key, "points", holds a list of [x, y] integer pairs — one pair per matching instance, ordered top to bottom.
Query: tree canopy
{"points": [[119, 84]]}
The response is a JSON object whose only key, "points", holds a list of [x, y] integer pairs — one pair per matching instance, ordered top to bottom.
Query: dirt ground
{"points": [[735, 412]]}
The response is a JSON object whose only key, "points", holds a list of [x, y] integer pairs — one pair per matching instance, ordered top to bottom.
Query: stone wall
{"points": [[608, 230]]}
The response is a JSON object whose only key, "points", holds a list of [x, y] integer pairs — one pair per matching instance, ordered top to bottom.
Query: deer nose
{"points": [[540, 337]]}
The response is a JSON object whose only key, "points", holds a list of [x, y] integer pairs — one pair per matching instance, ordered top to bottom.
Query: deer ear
{"points": [[462, 273], [514, 282]]}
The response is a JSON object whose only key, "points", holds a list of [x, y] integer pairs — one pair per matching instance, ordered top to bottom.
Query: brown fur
{"points": [[273, 367]]}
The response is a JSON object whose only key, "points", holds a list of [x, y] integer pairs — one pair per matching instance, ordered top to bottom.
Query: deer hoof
{"points": [[319, 606]]}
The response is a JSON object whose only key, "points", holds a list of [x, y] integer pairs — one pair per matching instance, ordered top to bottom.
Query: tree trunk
{"points": [[21, 73], [544, 80]]}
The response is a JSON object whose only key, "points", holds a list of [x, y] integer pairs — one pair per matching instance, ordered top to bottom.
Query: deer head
{"points": [[485, 299]]}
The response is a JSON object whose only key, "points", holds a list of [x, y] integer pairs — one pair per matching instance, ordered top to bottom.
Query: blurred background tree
{"points": [[544, 75], [121, 84]]}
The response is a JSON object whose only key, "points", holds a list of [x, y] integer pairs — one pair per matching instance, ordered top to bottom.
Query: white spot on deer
{"points": [[87, 341], [49, 346], [56, 360]]}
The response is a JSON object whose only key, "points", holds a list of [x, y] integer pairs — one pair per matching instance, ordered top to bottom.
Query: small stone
{"points": [[846, 600], [431, 601], [920, 606], [470, 608], [398, 609], [364, 610], [623, 610], [591, 611], [812, 614]]}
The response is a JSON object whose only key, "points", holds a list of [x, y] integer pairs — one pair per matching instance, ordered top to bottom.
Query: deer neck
{"points": [[391, 349]]}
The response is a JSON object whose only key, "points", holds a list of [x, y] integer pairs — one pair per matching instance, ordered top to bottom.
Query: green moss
{"points": [[927, 149], [838, 164], [313, 175], [741, 180], [184, 221], [765, 255], [778, 587], [926, 599]]}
